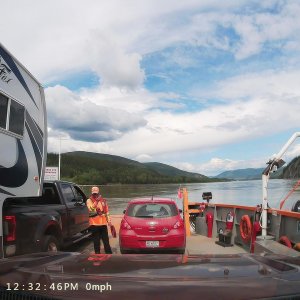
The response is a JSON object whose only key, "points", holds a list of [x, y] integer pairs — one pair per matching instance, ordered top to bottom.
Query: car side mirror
{"points": [[124, 211]]}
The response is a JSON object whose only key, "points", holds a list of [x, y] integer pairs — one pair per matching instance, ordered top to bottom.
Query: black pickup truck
{"points": [[48, 223]]}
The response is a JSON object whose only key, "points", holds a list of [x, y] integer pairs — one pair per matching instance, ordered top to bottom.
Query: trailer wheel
{"points": [[50, 244]]}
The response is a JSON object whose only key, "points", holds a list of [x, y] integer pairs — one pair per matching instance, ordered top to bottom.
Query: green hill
{"points": [[104, 157], [95, 168], [167, 170], [292, 170]]}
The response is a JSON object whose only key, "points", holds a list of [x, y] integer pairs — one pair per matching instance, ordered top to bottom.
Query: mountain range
{"points": [[87, 168], [290, 171], [242, 174]]}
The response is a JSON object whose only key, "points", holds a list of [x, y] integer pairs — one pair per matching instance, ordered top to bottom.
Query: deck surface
{"points": [[195, 244], [199, 244]]}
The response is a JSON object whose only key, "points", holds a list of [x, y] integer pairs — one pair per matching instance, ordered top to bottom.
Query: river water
{"points": [[234, 192]]}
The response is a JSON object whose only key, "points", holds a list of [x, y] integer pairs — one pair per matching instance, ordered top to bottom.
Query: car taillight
{"points": [[125, 225], [177, 225], [10, 228]]}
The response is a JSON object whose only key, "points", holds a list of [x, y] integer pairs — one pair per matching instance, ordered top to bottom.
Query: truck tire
{"points": [[50, 244]]}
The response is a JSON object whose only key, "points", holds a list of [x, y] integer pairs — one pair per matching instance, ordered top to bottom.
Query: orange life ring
{"points": [[245, 228], [284, 240], [297, 246]]}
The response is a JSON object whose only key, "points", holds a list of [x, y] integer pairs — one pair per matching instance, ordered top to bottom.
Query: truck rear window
{"points": [[50, 195]]}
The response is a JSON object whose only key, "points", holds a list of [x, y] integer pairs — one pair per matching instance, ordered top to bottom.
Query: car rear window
{"points": [[152, 210]]}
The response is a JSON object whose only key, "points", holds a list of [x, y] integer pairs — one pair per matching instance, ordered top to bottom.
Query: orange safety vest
{"points": [[98, 211]]}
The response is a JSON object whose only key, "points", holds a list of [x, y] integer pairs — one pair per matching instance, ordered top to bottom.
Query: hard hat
{"points": [[95, 190]]}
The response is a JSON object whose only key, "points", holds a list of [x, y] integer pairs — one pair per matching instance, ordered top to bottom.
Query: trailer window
{"points": [[3, 111], [12, 116], [16, 118]]}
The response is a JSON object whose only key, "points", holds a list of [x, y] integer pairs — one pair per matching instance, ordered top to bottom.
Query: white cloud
{"points": [[255, 30], [108, 37], [57, 38], [111, 38], [251, 39], [114, 66], [265, 84], [138, 100], [86, 121], [220, 125], [168, 133], [67, 144], [292, 152], [144, 158], [217, 165]]}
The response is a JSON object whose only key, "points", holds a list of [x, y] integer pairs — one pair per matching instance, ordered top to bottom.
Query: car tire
{"points": [[50, 244]]}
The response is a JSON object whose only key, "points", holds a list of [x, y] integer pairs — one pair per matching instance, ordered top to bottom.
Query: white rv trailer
{"points": [[23, 133]]}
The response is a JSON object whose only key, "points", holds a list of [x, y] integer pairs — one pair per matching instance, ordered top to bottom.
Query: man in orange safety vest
{"points": [[99, 219]]}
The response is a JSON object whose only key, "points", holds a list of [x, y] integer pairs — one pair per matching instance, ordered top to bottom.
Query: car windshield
{"points": [[152, 210]]}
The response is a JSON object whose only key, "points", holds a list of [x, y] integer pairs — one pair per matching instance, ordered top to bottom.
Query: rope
{"points": [[289, 194]]}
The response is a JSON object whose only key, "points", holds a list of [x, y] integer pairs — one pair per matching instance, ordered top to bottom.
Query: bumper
{"points": [[135, 242], [21, 247], [152, 251]]}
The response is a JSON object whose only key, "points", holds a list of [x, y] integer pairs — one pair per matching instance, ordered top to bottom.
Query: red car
{"points": [[152, 225]]}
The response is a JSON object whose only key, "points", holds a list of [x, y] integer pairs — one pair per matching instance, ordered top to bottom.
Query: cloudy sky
{"points": [[205, 86]]}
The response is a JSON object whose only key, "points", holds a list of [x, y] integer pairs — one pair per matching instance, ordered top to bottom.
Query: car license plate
{"points": [[152, 244]]}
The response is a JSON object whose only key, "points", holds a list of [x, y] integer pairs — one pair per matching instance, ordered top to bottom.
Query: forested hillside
{"points": [[88, 168], [292, 170]]}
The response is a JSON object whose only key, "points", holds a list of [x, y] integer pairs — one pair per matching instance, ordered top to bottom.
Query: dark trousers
{"points": [[100, 232]]}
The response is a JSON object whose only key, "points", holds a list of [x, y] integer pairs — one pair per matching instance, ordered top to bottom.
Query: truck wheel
{"points": [[50, 244]]}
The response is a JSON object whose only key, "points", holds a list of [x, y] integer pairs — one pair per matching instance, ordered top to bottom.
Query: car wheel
{"points": [[50, 244]]}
